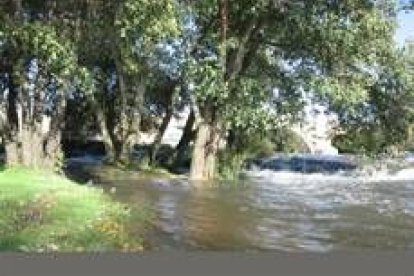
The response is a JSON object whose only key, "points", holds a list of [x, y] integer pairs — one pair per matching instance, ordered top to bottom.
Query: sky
{"points": [[406, 27]]}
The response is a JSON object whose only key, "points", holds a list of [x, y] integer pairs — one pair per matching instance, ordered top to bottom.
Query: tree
{"points": [[116, 42], [96, 48], [246, 49], [409, 58], [241, 65], [37, 66], [382, 121]]}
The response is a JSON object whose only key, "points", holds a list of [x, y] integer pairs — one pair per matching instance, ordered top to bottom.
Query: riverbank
{"points": [[90, 168], [43, 212]]}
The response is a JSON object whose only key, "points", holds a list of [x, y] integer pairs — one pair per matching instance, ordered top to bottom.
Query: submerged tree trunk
{"points": [[206, 145]]}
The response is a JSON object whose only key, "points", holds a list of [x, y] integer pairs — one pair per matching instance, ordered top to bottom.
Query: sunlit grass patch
{"points": [[40, 212]]}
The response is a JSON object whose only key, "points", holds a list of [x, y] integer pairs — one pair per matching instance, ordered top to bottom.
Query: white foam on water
{"points": [[386, 176], [287, 177], [320, 192]]}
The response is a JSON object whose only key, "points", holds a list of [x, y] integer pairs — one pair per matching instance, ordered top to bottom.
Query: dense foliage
{"points": [[126, 67]]}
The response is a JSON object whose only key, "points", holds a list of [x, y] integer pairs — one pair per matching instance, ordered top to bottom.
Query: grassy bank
{"points": [[42, 212]]}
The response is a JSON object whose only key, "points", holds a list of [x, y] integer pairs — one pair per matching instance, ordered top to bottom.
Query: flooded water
{"points": [[281, 211]]}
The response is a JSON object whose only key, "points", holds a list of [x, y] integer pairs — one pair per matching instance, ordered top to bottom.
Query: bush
{"points": [[287, 141], [232, 160], [230, 164]]}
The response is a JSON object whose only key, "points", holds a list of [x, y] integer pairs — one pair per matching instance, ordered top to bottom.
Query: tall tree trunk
{"points": [[16, 8], [223, 18], [167, 93], [120, 132], [127, 132], [106, 137], [186, 137], [32, 138], [158, 138], [232, 139], [206, 145], [35, 146], [123, 147], [118, 150], [12, 153], [203, 164]]}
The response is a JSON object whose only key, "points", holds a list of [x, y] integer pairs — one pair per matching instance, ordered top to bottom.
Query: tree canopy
{"points": [[242, 67]]}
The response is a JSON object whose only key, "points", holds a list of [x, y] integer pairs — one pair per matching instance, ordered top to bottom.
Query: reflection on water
{"points": [[277, 211]]}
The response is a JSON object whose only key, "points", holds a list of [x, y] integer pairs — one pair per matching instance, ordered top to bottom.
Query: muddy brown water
{"points": [[272, 211]]}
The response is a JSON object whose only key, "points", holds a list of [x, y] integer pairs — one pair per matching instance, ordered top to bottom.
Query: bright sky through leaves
{"points": [[406, 27]]}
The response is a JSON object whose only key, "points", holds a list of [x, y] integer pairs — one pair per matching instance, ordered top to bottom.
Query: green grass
{"points": [[42, 212]]}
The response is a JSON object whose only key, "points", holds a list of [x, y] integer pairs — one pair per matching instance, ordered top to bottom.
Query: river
{"points": [[267, 210]]}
